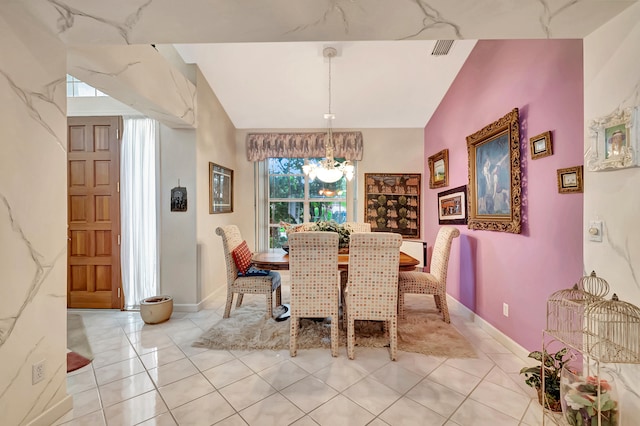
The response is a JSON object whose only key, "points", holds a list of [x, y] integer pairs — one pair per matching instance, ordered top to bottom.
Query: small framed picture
{"points": [[541, 146], [439, 169], [570, 180], [220, 189], [452, 206]]}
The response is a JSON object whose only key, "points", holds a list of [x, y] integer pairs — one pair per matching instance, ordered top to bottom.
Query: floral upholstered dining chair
{"points": [[238, 259], [313, 265], [372, 287]]}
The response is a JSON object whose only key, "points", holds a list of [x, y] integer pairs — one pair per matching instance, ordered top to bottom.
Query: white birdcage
{"points": [[613, 331]]}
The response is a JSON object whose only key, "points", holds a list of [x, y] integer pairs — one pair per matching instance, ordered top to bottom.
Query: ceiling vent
{"points": [[442, 47]]}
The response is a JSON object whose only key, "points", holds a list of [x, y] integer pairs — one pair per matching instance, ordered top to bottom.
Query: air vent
{"points": [[442, 47]]}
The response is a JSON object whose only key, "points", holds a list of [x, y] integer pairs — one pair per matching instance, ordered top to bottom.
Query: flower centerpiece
{"points": [[332, 226], [582, 404]]}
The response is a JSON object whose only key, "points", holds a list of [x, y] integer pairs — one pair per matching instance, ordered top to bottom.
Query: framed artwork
{"points": [[614, 141], [541, 145], [439, 169], [570, 180], [495, 187], [220, 189], [179, 199], [392, 203], [452, 206]]}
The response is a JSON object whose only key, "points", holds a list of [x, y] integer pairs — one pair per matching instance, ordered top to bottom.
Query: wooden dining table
{"points": [[279, 260]]}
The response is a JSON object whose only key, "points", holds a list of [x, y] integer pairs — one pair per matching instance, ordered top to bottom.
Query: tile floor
{"points": [[150, 375]]}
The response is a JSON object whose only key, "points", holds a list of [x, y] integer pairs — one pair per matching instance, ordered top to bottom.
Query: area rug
{"points": [[423, 331], [77, 337], [76, 361]]}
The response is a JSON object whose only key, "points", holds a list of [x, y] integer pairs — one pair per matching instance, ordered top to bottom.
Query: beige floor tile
{"points": [[148, 342], [107, 344], [113, 356], [161, 357], [210, 358], [371, 359], [260, 360], [313, 360], [419, 363], [509, 363], [475, 366], [118, 370], [172, 371], [227, 373], [283, 374], [340, 374], [397, 377], [499, 377], [454, 379], [81, 382], [119, 390], [185, 390], [309, 393], [237, 395], [372, 395], [436, 397], [502, 399], [85, 402], [135, 410], [274, 410], [341, 410], [204, 411], [408, 412], [474, 413], [92, 419], [162, 420], [234, 420], [304, 421], [378, 422]]}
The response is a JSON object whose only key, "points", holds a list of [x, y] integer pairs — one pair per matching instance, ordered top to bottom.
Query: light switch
{"points": [[595, 230]]}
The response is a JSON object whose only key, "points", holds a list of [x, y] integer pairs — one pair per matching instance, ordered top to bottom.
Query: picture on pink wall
{"points": [[541, 145], [439, 169], [494, 176], [570, 180], [452, 206]]}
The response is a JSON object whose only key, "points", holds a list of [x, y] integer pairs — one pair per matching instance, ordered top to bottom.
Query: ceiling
{"points": [[263, 58]]}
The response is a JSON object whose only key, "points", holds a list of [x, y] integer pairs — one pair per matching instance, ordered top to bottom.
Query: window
{"points": [[77, 88], [293, 198]]}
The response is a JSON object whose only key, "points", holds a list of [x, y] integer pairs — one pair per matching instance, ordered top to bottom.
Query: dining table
{"points": [[279, 260]]}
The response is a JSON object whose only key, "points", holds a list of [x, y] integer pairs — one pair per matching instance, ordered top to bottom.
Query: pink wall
{"points": [[544, 80]]}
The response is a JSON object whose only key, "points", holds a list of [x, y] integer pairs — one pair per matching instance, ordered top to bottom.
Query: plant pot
{"points": [[157, 309], [581, 402], [551, 403]]}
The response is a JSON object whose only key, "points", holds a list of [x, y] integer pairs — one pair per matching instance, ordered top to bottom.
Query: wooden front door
{"points": [[93, 170]]}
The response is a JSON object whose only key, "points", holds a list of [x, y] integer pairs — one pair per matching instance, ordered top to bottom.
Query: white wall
{"points": [[612, 80], [33, 221]]}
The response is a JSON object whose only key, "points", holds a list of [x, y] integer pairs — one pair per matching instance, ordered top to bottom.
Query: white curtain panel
{"points": [[139, 242]]}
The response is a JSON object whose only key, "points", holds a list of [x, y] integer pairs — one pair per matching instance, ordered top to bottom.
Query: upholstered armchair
{"points": [[231, 239], [313, 265], [434, 282], [372, 287]]}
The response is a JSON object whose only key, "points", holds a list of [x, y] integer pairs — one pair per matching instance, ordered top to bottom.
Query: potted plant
{"points": [[333, 226], [551, 366]]}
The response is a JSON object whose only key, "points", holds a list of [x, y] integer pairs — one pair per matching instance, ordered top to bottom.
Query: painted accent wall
{"points": [[543, 79], [612, 80]]}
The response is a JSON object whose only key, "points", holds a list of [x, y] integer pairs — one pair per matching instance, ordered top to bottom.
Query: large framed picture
{"points": [[614, 141], [439, 169], [494, 176], [570, 180], [220, 189], [392, 203], [452, 206]]}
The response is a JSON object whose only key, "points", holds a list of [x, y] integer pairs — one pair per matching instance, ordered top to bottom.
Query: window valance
{"points": [[260, 146]]}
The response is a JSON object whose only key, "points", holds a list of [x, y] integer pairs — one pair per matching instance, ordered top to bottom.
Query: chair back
{"points": [[358, 226], [231, 238], [441, 252], [374, 259], [313, 265]]}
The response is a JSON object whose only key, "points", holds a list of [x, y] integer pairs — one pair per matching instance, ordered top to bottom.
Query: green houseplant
{"points": [[333, 226], [550, 365]]}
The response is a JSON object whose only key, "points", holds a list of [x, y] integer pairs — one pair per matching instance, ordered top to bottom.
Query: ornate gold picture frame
{"points": [[541, 145], [439, 169], [494, 176], [570, 180]]}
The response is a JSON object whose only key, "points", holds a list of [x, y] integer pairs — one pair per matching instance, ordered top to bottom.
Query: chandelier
{"points": [[329, 170]]}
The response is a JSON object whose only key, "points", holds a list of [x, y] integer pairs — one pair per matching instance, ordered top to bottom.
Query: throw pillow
{"points": [[242, 257]]}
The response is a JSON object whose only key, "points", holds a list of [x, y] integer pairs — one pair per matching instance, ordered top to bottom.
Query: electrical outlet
{"points": [[505, 309], [37, 372]]}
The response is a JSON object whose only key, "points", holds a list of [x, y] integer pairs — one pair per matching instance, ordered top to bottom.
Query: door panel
{"points": [[94, 212]]}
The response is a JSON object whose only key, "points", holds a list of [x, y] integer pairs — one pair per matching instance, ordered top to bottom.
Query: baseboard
{"points": [[192, 307], [471, 316], [54, 413]]}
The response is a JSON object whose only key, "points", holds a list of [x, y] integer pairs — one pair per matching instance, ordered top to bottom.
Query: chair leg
{"points": [[240, 296], [278, 296], [436, 298], [401, 304], [269, 305], [227, 308], [444, 308], [334, 334], [293, 336], [393, 337], [351, 338]]}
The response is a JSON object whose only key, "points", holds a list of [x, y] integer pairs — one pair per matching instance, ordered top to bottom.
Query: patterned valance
{"points": [[260, 146]]}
